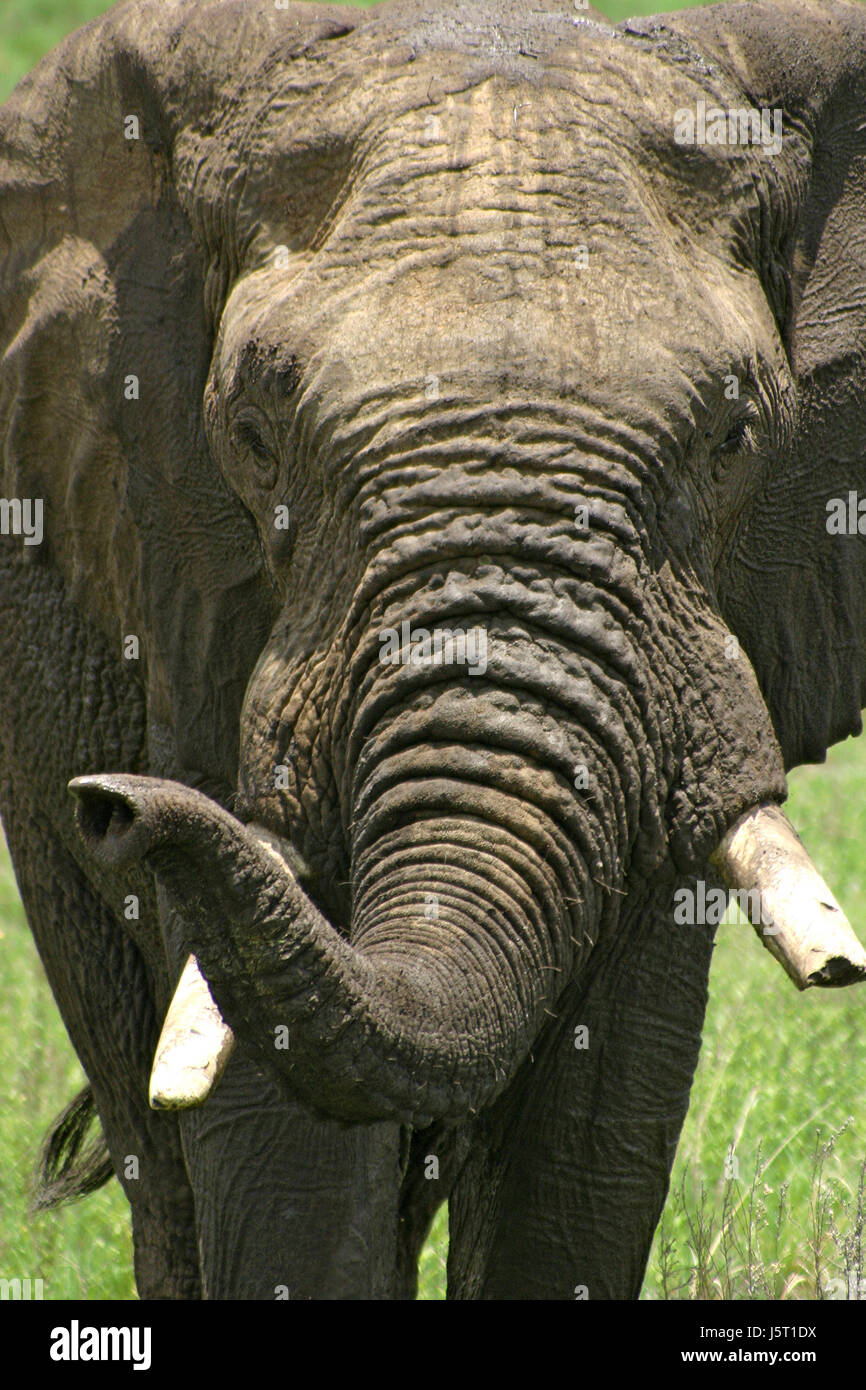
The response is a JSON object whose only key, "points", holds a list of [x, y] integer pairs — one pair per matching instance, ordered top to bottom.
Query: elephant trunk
{"points": [[419, 1023]]}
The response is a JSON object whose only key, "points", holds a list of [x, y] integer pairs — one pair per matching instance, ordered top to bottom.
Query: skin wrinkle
{"points": [[548, 436], [516, 570], [607, 670], [572, 701], [507, 735], [455, 779], [576, 828], [536, 834], [530, 881], [456, 905]]}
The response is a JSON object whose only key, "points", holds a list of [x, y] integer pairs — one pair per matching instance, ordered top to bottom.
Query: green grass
{"points": [[779, 1071], [779, 1074], [83, 1250]]}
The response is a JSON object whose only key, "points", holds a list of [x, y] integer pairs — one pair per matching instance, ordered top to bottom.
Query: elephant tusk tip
{"points": [[839, 971], [194, 1046], [174, 1088]]}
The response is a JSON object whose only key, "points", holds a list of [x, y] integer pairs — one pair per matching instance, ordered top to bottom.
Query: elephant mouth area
{"points": [[279, 847]]}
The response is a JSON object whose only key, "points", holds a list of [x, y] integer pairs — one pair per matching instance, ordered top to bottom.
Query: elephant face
{"points": [[460, 404], [510, 425], [501, 452]]}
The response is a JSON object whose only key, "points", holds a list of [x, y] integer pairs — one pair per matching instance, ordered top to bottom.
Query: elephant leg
{"points": [[66, 705], [98, 980], [435, 1156], [569, 1172], [290, 1204]]}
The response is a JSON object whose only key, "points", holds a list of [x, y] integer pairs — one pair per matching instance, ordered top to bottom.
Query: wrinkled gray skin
{"points": [[342, 260]]}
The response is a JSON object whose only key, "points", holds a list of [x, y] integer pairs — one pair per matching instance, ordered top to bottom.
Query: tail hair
{"points": [[68, 1167]]}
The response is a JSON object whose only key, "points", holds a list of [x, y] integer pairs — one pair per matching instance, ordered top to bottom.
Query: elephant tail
{"points": [[69, 1167]]}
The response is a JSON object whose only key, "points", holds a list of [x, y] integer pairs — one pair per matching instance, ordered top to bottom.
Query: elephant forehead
{"points": [[484, 117], [502, 154], [527, 187], [468, 215], [487, 315]]}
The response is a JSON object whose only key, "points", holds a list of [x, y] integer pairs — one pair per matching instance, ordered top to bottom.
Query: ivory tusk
{"points": [[796, 916], [193, 1048]]}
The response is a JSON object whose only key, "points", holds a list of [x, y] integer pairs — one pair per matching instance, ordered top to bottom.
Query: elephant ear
{"points": [[116, 251], [792, 590]]}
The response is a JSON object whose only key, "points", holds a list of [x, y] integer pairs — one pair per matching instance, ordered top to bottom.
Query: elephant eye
{"points": [[741, 434], [248, 437], [735, 438], [251, 439]]}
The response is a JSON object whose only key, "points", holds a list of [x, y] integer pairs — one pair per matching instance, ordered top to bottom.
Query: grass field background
{"points": [[767, 1194]]}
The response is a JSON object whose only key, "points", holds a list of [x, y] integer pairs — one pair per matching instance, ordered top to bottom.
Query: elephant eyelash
{"points": [[742, 433], [247, 436], [251, 436], [740, 436]]}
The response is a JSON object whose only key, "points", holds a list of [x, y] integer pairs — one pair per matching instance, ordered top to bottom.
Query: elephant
{"points": [[430, 534]]}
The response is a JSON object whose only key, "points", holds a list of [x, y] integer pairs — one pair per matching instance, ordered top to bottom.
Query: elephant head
{"points": [[438, 414]]}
